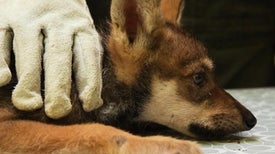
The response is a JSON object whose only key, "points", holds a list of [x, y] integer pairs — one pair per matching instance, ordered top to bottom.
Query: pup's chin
{"points": [[207, 133]]}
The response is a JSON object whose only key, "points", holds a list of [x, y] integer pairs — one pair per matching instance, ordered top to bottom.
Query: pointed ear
{"points": [[172, 10], [136, 17]]}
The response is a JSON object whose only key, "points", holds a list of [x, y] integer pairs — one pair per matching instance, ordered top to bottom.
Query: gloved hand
{"points": [[59, 31]]}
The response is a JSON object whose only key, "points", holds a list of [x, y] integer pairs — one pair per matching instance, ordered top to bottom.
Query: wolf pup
{"points": [[153, 72]]}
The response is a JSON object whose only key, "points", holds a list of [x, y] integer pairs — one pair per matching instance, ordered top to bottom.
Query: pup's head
{"points": [[183, 94]]}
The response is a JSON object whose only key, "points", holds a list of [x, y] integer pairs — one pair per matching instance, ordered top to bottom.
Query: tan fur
{"points": [[172, 10], [129, 58], [127, 61], [197, 66], [170, 107], [161, 110], [16, 137]]}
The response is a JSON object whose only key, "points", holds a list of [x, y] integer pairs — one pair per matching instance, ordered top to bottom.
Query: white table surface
{"points": [[259, 140]]}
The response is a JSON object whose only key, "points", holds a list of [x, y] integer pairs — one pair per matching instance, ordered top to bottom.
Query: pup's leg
{"points": [[34, 137]]}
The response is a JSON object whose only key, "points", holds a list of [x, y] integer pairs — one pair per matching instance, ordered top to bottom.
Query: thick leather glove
{"points": [[59, 35]]}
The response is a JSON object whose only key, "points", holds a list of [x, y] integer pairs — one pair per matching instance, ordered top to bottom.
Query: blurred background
{"points": [[239, 35]]}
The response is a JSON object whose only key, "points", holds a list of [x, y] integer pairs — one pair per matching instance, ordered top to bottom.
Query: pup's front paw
{"points": [[159, 145]]}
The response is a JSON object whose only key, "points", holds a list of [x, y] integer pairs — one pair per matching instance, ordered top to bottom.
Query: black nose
{"points": [[250, 120]]}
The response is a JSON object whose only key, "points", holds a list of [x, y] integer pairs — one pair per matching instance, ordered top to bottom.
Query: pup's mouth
{"points": [[221, 126], [207, 133]]}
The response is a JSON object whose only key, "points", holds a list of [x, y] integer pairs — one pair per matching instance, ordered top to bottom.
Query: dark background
{"points": [[239, 34]]}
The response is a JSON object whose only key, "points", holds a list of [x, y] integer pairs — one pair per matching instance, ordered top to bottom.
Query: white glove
{"points": [[60, 31]]}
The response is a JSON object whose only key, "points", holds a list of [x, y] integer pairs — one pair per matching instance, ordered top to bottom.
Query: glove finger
{"points": [[5, 49], [27, 49], [87, 68], [58, 70]]}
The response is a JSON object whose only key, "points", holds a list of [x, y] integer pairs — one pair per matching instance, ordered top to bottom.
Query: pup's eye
{"points": [[199, 79]]}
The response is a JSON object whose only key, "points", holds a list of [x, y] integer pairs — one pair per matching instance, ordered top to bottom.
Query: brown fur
{"points": [[153, 72]]}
